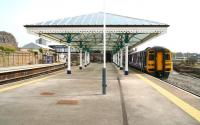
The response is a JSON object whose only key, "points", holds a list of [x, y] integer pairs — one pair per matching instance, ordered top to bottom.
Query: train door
{"points": [[159, 61], [168, 61], [150, 62]]}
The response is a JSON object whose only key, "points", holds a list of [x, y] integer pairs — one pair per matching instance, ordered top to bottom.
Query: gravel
{"points": [[184, 82]]}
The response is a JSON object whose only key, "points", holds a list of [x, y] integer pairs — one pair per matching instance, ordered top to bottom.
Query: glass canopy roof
{"points": [[97, 19], [88, 29]]}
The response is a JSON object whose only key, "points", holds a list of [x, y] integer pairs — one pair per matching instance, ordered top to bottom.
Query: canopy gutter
{"points": [[97, 29]]}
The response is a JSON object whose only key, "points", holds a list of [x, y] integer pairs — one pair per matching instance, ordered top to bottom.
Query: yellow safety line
{"points": [[25, 83], [195, 113]]}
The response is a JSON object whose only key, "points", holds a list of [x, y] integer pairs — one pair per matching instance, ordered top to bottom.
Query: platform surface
{"points": [[76, 99]]}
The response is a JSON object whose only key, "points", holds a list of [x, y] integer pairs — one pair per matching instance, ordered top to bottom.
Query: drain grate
{"points": [[47, 93], [68, 102]]}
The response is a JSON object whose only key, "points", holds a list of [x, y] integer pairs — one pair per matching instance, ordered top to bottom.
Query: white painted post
{"points": [[89, 57], [85, 58], [81, 59], [114, 59], [118, 59], [121, 59], [132, 59], [69, 60], [126, 60]]}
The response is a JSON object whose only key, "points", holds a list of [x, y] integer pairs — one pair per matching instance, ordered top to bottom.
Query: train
{"points": [[156, 61]]}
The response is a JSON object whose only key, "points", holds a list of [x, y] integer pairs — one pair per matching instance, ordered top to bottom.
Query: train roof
{"points": [[154, 48], [157, 48]]}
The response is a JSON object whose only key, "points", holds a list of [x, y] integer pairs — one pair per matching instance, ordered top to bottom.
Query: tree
{"points": [[7, 49], [41, 50]]}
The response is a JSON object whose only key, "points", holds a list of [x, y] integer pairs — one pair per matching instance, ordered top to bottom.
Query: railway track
{"points": [[194, 76], [185, 82]]}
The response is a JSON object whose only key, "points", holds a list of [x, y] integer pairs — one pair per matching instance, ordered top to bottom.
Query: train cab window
{"points": [[151, 55], [167, 56]]}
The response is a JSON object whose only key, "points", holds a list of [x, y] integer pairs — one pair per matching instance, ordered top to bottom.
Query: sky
{"points": [[182, 16]]}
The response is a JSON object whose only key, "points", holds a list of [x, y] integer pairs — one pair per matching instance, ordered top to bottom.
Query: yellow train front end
{"points": [[159, 62]]}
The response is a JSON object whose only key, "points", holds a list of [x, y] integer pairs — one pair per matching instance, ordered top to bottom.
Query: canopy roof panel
{"points": [[96, 19], [88, 29]]}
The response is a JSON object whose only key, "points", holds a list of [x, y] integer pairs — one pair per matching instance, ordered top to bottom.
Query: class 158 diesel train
{"points": [[156, 61]]}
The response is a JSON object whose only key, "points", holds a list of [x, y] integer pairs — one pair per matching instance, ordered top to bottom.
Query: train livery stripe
{"points": [[26, 83], [195, 113]]}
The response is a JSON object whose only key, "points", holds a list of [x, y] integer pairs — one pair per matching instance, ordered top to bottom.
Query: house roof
{"points": [[33, 45]]}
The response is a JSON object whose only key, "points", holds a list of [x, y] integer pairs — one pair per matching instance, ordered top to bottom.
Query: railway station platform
{"points": [[25, 67], [14, 73], [76, 99]]}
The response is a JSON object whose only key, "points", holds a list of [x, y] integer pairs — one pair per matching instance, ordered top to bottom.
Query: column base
{"points": [[80, 67], [121, 68], [69, 72], [125, 72]]}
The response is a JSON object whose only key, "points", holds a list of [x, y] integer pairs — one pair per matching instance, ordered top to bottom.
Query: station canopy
{"points": [[87, 31]]}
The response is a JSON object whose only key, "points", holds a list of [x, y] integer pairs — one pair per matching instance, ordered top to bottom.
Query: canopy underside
{"points": [[94, 40]]}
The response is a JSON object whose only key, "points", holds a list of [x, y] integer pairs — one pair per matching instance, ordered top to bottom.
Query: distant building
{"points": [[7, 39], [41, 41], [46, 42], [36, 47], [58, 47], [63, 49], [48, 53], [186, 58], [198, 58], [178, 60]]}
